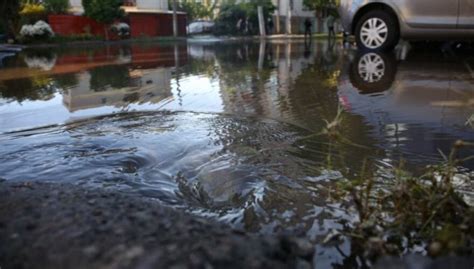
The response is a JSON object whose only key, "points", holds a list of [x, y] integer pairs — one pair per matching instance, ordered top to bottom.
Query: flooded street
{"points": [[232, 131]]}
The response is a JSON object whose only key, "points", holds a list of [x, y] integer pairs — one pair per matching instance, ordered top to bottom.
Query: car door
{"points": [[439, 14], [466, 14]]}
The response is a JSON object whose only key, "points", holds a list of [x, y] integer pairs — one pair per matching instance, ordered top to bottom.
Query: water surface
{"points": [[231, 131]]}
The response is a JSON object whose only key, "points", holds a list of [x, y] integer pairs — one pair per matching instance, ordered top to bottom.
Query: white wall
{"points": [[75, 3], [141, 4], [152, 4], [298, 8]]}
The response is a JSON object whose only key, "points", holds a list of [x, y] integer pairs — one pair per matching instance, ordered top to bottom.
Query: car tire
{"points": [[377, 30], [373, 80]]}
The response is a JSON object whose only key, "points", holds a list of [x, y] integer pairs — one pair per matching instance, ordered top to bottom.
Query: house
{"points": [[131, 5], [288, 12], [296, 12], [145, 17], [148, 72]]}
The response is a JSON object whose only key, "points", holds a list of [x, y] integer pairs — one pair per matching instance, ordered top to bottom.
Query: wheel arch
{"points": [[373, 6]]}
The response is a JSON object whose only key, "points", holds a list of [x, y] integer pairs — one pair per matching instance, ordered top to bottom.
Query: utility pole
{"points": [[175, 20]]}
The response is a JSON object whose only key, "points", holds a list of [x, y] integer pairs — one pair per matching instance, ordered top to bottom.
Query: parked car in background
{"points": [[379, 24], [200, 27]]}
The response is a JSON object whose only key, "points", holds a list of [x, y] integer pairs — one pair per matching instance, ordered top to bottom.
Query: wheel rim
{"points": [[374, 33], [371, 67]]}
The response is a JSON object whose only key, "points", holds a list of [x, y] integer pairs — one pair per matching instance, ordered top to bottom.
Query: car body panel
{"points": [[434, 14], [466, 14], [420, 19]]}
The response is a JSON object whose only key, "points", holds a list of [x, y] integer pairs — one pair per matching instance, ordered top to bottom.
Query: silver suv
{"points": [[379, 24]]}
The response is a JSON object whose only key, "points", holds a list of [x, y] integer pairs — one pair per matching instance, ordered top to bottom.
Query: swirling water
{"points": [[231, 132]]}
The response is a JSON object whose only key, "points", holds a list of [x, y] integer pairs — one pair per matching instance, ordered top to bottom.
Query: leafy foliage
{"points": [[320, 5], [56, 6], [322, 8], [32, 9], [196, 10], [103, 11], [32, 12], [230, 13], [10, 15], [228, 17], [38, 31], [106, 77], [427, 211], [405, 212]]}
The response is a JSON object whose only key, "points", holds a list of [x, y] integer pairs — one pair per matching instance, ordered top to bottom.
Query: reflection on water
{"points": [[419, 105], [225, 129]]}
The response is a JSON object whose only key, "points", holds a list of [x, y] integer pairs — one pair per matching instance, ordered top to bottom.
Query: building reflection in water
{"points": [[145, 76], [145, 86], [415, 105], [265, 175]]}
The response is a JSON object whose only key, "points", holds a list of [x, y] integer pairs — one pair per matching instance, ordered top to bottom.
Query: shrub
{"points": [[56, 6], [32, 9], [9, 10], [196, 10], [103, 11], [32, 12], [230, 14], [228, 17], [122, 29], [39, 30], [40, 62], [105, 78]]}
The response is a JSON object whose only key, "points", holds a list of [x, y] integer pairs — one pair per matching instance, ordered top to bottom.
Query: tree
{"points": [[56, 6], [321, 8], [197, 10], [103, 11], [230, 13], [10, 16], [175, 20]]}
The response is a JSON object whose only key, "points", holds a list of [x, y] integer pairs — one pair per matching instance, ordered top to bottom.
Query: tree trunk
{"points": [[319, 17], [175, 20], [261, 21], [288, 21], [277, 22], [106, 32]]}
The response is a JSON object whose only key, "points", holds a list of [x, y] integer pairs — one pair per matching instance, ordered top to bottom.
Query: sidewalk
{"points": [[277, 37], [191, 39]]}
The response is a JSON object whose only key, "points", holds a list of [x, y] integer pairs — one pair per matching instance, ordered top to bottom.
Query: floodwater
{"points": [[232, 131]]}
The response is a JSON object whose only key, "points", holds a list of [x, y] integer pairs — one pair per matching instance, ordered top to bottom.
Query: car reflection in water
{"points": [[418, 106]]}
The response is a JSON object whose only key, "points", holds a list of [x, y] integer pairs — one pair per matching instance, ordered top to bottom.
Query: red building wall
{"points": [[141, 24], [161, 24], [75, 25], [147, 57]]}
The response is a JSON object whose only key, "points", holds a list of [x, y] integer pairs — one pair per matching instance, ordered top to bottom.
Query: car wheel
{"points": [[377, 30], [373, 72]]}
